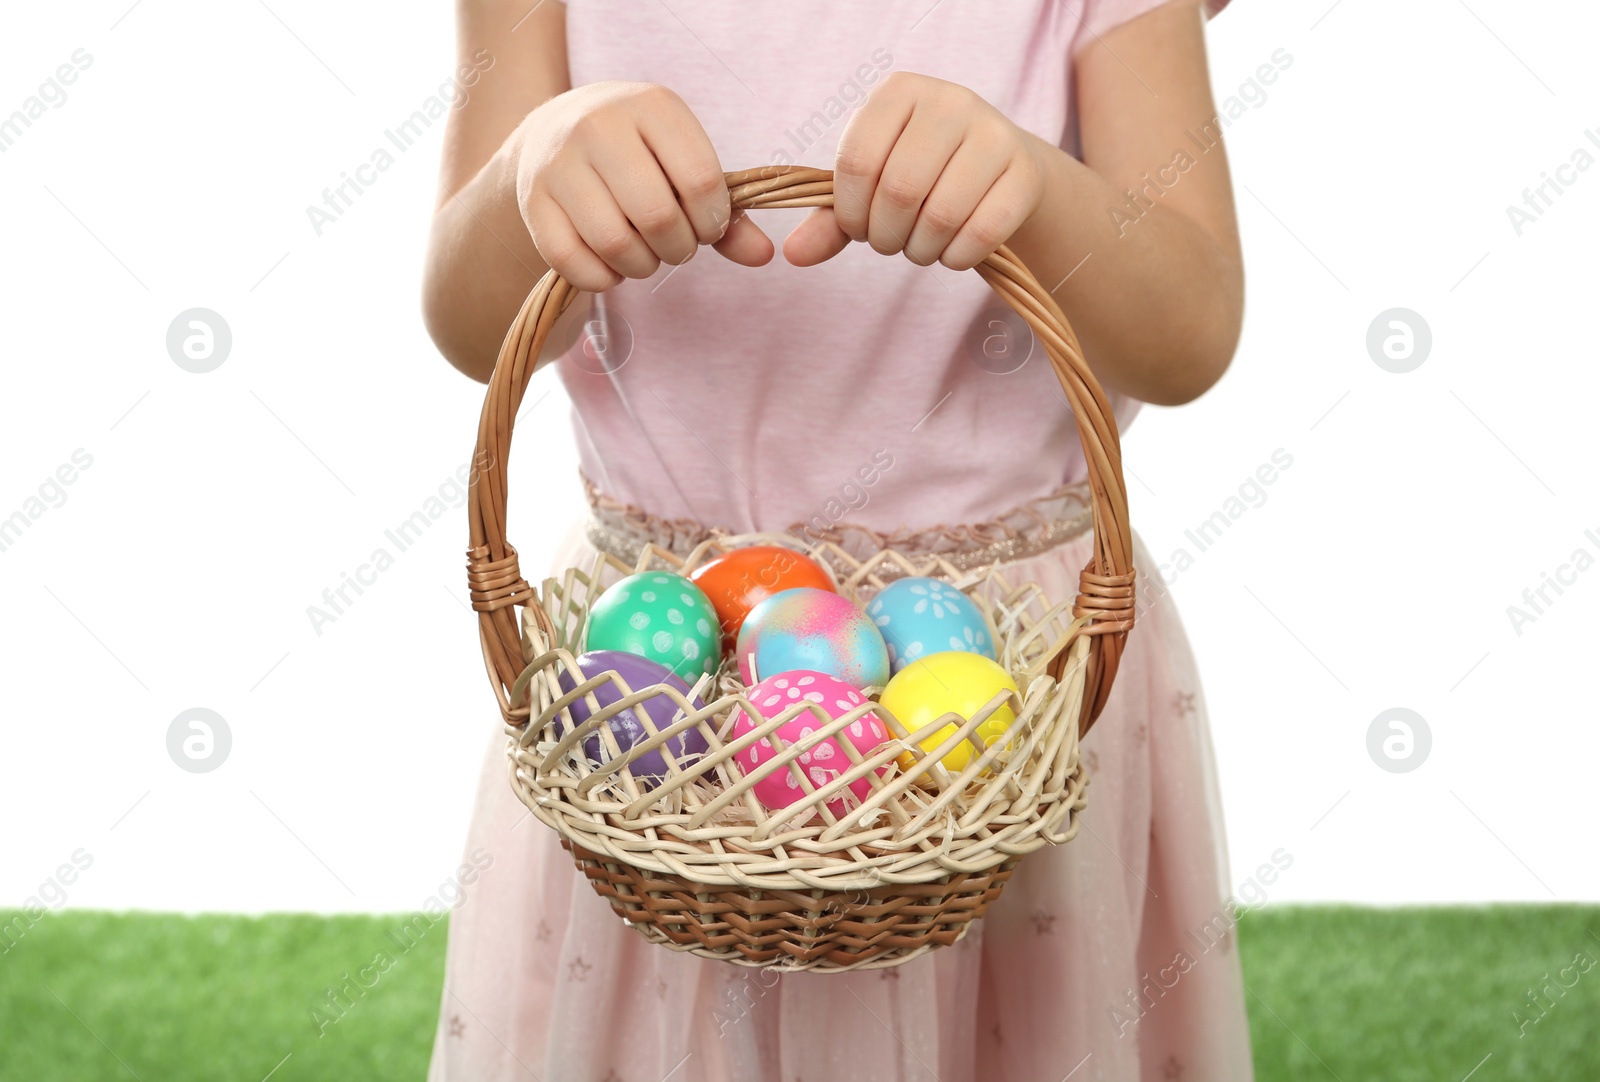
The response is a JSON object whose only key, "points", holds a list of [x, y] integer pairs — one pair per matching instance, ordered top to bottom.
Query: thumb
{"points": [[816, 239], [744, 242]]}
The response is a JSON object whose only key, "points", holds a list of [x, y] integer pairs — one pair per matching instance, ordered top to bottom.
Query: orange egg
{"points": [[739, 580]]}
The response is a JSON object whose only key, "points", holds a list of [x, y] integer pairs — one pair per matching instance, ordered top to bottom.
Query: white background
{"points": [[218, 507]]}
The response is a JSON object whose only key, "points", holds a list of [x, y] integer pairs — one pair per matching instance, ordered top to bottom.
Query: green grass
{"points": [[1353, 994], [1406, 995], [88, 996]]}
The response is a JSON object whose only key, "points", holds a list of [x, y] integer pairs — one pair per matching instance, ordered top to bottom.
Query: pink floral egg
{"points": [[823, 759]]}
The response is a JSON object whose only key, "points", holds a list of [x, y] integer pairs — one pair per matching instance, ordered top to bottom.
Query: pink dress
{"points": [[866, 393]]}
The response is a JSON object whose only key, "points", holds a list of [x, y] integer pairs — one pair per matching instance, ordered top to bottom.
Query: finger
{"points": [[863, 149], [684, 151], [918, 157], [971, 172], [641, 189], [999, 214], [605, 229], [816, 239], [745, 243], [560, 245]]}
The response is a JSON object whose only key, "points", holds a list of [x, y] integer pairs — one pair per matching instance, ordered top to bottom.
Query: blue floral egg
{"points": [[920, 616]]}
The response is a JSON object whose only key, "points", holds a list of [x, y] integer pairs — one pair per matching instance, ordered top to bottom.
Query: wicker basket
{"points": [[696, 863]]}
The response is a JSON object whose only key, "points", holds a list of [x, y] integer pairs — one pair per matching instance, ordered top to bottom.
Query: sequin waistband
{"points": [[623, 530]]}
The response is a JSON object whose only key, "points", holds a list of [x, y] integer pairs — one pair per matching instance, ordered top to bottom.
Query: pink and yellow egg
{"points": [[816, 630]]}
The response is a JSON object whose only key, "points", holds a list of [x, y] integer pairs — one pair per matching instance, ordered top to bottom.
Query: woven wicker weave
{"points": [[696, 863]]}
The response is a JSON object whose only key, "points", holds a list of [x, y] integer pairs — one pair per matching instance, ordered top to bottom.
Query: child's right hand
{"points": [[613, 179]]}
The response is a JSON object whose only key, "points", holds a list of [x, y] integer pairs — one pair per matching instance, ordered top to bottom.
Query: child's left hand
{"points": [[928, 168]]}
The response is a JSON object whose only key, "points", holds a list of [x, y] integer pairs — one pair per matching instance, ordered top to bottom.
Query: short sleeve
{"points": [[1100, 17]]}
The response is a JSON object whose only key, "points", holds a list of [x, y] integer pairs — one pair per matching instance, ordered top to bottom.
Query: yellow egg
{"points": [[949, 683]]}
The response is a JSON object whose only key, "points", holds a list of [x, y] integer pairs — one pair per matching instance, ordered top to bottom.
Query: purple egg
{"points": [[650, 769]]}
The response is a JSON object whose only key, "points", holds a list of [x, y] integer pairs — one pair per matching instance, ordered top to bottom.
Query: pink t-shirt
{"points": [[868, 387]]}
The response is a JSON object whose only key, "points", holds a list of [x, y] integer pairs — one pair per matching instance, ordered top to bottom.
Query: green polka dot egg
{"points": [[660, 616]]}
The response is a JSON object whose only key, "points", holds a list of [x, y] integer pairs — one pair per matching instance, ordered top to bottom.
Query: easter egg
{"points": [[739, 580], [660, 616], [921, 616], [817, 630], [953, 682], [626, 725], [824, 759]]}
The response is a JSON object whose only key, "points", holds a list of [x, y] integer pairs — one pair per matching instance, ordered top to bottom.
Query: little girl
{"points": [[715, 396]]}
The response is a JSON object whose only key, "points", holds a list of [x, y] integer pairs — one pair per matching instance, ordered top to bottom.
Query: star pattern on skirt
{"points": [[1183, 702], [1141, 734], [1042, 921], [542, 932], [578, 969], [892, 973], [661, 989], [457, 1026], [1173, 1069]]}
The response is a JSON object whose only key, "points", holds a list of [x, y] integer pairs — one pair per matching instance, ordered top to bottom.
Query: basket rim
{"points": [[968, 824]]}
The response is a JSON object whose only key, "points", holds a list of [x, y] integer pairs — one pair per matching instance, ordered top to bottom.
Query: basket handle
{"points": [[1106, 585]]}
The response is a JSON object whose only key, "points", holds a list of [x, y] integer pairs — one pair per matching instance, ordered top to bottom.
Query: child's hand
{"points": [[929, 168], [614, 179]]}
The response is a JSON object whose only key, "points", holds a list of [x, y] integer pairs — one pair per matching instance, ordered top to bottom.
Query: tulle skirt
{"points": [[1110, 958]]}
